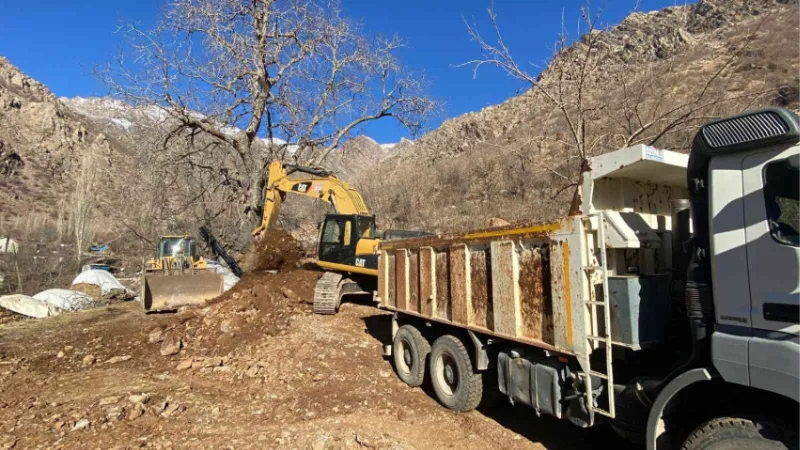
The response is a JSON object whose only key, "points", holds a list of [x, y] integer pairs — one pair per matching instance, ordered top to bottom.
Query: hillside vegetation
{"points": [[652, 79]]}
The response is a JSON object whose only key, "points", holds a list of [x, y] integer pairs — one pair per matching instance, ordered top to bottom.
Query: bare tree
{"points": [[569, 74], [244, 81], [636, 108], [83, 203]]}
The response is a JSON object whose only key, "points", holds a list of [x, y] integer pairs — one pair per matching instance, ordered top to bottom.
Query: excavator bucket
{"points": [[168, 291]]}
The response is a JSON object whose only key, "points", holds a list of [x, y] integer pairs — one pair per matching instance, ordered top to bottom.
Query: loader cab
{"points": [[348, 240], [175, 246]]}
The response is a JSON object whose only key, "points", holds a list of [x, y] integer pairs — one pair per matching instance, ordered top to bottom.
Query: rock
{"points": [[685, 37], [496, 222], [288, 293], [242, 306], [185, 316], [232, 324], [226, 326], [156, 335], [171, 345], [68, 348], [60, 354], [118, 359], [88, 360], [211, 362], [185, 364], [222, 369], [252, 371], [318, 377], [139, 398], [105, 401], [160, 407], [172, 409], [135, 412], [116, 413], [402, 414], [59, 425], [81, 425], [364, 441], [8, 442], [318, 444]]}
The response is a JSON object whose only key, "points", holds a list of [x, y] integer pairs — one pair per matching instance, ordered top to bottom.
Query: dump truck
{"points": [[178, 276], [666, 308]]}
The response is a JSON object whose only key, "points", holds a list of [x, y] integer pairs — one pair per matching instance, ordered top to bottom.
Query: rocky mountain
{"points": [[669, 70], [653, 78], [114, 117], [46, 152]]}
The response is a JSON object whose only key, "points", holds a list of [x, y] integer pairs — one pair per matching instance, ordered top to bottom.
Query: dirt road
{"points": [[254, 370]]}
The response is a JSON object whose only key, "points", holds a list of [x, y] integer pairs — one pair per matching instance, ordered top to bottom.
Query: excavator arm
{"points": [[317, 183]]}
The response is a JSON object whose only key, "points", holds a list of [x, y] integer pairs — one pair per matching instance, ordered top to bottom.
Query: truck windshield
{"points": [[781, 195], [176, 247]]}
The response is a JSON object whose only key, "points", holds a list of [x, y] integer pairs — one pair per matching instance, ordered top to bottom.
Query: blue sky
{"points": [[58, 42]]}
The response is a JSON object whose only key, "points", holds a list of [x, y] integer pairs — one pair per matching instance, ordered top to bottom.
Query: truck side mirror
{"points": [[793, 162]]}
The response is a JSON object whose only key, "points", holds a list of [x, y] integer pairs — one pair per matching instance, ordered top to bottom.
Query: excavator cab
{"points": [[348, 240]]}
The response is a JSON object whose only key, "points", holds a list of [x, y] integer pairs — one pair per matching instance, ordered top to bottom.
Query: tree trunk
{"points": [[255, 197]]}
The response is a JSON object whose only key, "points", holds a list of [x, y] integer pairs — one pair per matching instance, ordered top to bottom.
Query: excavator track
{"points": [[326, 294]]}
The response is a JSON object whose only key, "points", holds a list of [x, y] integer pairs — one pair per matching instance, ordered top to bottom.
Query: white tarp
{"points": [[8, 245], [101, 278], [229, 279], [65, 299], [28, 306]]}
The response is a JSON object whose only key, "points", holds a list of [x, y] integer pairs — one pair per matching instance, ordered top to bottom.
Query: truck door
{"points": [[770, 182]]}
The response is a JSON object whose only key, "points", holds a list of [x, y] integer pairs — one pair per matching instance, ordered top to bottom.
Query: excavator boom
{"points": [[317, 183], [348, 239]]}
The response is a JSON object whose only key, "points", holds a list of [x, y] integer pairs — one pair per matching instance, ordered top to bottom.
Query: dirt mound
{"points": [[274, 250], [261, 304], [255, 369]]}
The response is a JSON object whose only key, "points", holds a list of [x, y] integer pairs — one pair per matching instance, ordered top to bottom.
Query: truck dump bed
{"points": [[512, 282], [545, 284]]}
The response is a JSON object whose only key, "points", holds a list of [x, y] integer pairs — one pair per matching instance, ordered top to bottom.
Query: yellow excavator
{"points": [[348, 239], [177, 276]]}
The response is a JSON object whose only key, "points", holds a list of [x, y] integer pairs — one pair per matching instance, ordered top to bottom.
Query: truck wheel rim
{"points": [[407, 357], [404, 362], [447, 374]]}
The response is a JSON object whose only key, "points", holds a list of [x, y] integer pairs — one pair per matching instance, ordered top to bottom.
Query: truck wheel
{"points": [[410, 349], [457, 386], [741, 433]]}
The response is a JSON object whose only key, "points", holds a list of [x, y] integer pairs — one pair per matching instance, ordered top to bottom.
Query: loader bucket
{"points": [[163, 292]]}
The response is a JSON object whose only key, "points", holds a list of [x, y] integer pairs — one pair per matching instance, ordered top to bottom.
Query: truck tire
{"points": [[410, 350], [456, 384], [745, 433]]}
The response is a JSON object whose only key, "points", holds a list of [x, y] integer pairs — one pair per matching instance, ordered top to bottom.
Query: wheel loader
{"points": [[177, 276]]}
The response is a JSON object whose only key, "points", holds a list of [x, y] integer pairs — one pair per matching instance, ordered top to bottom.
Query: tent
{"points": [[100, 278], [65, 299], [28, 306]]}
